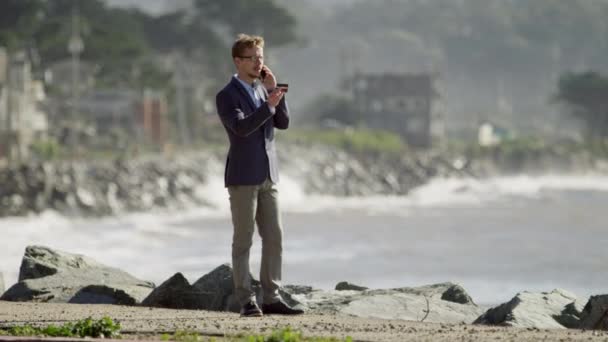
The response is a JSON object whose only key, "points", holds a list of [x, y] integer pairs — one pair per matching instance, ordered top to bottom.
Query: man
{"points": [[250, 107]]}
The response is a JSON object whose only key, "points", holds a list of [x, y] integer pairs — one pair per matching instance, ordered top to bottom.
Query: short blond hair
{"points": [[244, 42]]}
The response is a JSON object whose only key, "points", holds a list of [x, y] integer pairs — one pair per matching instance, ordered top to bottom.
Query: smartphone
{"points": [[263, 74], [284, 86]]}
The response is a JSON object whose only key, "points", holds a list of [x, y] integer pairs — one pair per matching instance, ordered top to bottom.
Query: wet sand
{"points": [[150, 323]]}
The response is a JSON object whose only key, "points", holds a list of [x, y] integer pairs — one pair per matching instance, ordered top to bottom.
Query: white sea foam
{"points": [[445, 192], [154, 245]]}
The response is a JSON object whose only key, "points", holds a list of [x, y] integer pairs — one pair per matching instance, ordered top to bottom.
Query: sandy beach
{"points": [[139, 322]]}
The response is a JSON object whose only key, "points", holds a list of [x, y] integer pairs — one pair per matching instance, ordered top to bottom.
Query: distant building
{"points": [[60, 76], [401, 103], [109, 109], [126, 113], [151, 117], [22, 122]]}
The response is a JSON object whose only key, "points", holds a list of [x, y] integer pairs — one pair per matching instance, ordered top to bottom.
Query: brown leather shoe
{"points": [[280, 308], [251, 309]]}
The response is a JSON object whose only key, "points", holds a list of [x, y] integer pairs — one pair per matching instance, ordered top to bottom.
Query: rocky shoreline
{"points": [[111, 187], [51, 276]]}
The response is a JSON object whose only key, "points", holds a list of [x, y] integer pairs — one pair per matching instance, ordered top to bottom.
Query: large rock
{"points": [[47, 275], [219, 285], [177, 293], [431, 303], [544, 310], [595, 313]]}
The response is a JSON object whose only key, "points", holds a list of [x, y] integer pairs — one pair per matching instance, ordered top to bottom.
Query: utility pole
{"points": [[75, 47], [9, 112], [184, 133]]}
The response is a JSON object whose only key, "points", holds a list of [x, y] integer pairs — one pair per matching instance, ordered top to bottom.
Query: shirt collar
{"points": [[248, 85]]}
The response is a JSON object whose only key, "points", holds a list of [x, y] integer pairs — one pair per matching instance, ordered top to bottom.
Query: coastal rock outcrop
{"points": [[104, 187], [48, 275], [219, 284], [214, 291], [445, 302], [430, 303], [544, 310], [595, 313]]}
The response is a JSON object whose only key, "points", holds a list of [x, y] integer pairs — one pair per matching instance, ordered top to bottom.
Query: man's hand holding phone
{"points": [[268, 79], [270, 82]]}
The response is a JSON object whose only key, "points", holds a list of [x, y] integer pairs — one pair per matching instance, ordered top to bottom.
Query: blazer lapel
{"points": [[243, 92], [264, 96]]}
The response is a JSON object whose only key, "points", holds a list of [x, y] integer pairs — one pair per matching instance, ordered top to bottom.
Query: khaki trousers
{"points": [[252, 204]]}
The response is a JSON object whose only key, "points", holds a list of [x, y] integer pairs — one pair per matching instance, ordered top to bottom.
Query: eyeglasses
{"points": [[253, 59]]}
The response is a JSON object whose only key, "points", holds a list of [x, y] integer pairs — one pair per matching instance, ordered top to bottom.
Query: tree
{"points": [[263, 17], [18, 21], [113, 40], [586, 95]]}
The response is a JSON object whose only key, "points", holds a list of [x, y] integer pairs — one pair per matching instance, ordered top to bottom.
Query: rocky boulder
{"points": [[47, 275], [219, 283], [346, 286], [213, 291], [177, 293], [431, 303], [544, 310], [595, 313]]}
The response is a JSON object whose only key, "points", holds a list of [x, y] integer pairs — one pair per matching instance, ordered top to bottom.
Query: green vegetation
{"points": [[476, 37], [123, 43], [586, 95], [352, 140], [508, 146], [530, 146], [46, 149], [103, 328], [108, 328], [282, 335], [288, 335]]}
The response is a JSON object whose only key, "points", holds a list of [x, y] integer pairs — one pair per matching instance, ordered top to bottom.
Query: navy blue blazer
{"points": [[252, 157]]}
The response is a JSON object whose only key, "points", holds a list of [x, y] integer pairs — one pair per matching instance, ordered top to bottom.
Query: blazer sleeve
{"points": [[232, 115], [281, 117]]}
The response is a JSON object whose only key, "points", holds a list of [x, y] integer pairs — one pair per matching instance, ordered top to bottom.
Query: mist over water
{"points": [[495, 237]]}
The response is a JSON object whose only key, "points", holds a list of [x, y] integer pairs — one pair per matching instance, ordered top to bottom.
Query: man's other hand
{"points": [[275, 97]]}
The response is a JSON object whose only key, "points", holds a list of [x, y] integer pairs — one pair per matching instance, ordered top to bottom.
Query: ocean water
{"points": [[495, 237]]}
